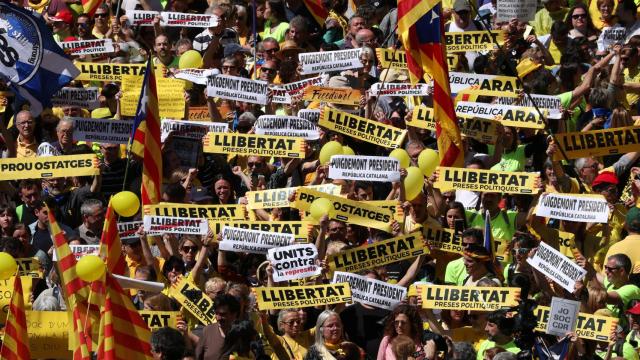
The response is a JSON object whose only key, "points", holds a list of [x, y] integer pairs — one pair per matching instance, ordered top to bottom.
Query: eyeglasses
{"points": [[101, 15], [579, 16], [266, 69], [254, 164], [189, 249], [520, 251], [611, 268], [292, 322]]}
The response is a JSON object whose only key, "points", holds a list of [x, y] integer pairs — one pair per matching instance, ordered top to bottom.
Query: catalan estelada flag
{"points": [[90, 6], [316, 9], [422, 33], [146, 138], [123, 333], [16, 342]]}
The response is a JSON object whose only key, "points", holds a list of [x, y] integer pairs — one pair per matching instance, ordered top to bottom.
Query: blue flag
{"points": [[31, 61]]}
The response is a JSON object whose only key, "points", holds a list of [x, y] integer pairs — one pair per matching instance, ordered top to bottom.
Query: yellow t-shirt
{"points": [[597, 244]]}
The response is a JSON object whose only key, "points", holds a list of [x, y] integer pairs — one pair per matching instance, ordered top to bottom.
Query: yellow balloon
{"points": [[191, 59], [328, 150], [347, 150], [403, 156], [428, 160], [413, 183], [125, 203], [320, 207], [8, 266], [90, 268]]}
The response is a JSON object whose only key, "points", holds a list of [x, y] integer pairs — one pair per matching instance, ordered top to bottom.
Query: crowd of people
{"points": [[564, 51]]}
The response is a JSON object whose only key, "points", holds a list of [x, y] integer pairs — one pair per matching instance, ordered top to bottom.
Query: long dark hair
{"points": [[590, 28], [415, 321], [238, 339]]}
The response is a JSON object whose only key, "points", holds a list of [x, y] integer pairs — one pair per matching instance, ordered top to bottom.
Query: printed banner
{"points": [[523, 10], [141, 17], [179, 19], [611, 36], [473, 40], [88, 47], [391, 59], [317, 62], [108, 72], [196, 76], [488, 85], [237, 88], [297, 88], [399, 89], [170, 95], [279, 95], [334, 95], [86, 98], [549, 103], [199, 113], [312, 115], [508, 115], [422, 117], [292, 126], [361, 128], [190, 129], [480, 129], [108, 131], [598, 142], [252, 144], [187, 150], [49, 167], [366, 168], [486, 180], [279, 198], [392, 205], [574, 207], [346, 210], [218, 212], [173, 225], [299, 229], [128, 230], [443, 239], [252, 241], [80, 250], [379, 253], [294, 262], [556, 266], [29, 267], [6, 291], [370, 291], [274, 298], [479, 298], [194, 300], [564, 315], [159, 319], [590, 327], [49, 334]]}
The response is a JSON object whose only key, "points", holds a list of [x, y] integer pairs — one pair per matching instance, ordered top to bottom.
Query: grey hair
{"points": [[367, 51], [248, 116], [65, 119], [580, 163], [88, 206], [46, 303], [281, 316], [322, 318], [463, 351], [505, 356]]}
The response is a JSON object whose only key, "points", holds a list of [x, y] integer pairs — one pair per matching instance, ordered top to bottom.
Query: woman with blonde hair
{"points": [[329, 336]]}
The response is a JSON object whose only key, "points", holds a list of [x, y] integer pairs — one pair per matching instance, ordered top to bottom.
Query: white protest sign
{"points": [[523, 10], [141, 17], [178, 19], [611, 36], [88, 47], [317, 62], [196, 76], [483, 84], [237, 88], [296, 88], [399, 89], [279, 95], [86, 98], [550, 103], [312, 115], [518, 116], [286, 126], [190, 129], [102, 130], [365, 168], [572, 207], [167, 224], [128, 230], [252, 241], [81, 250], [294, 262], [558, 267], [370, 291], [563, 316]]}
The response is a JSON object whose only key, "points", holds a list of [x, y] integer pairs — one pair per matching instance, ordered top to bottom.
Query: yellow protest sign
{"points": [[473, 40], [390, 58], [452, 62], [108, 72], [170, 96], [345, 96], [199, 113], [422, 117], [361, 128], [480, 129], [598, 142], [251, 144], [49, 167], [486, 180], [279, 198], [392, 205], [346, 210], [219, 212], [300, 229], [443, 239], [567, 244], [379, 253], [29, 267], [6, 291], [274, 298], [468, 298], [194, 300], [159, 319], [589, 326], [48, 333]]}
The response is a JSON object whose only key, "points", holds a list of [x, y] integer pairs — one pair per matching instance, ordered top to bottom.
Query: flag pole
{"points": [[255, 41]]}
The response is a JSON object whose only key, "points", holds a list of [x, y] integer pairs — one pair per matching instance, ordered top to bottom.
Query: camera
{"points": [[441, 343]]}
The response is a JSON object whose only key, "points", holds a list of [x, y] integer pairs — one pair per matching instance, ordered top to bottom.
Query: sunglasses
{"points": [[102, 15], [579, 16], [266, 69], [256, 164], [189, 249], [520, 251], [611, 268]]}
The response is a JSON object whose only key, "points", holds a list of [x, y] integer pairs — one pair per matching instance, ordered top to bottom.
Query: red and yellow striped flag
{"points": [[90, 6], [316, 9], [422, 33], [110, 245], [123, 333], [16, 342]]}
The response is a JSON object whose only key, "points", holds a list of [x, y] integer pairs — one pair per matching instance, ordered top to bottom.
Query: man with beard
{"points": [[164, 54], [227, 310], [500, 329]]}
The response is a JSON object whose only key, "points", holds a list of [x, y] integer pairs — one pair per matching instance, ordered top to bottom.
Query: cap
{"points": [[461, 5], [63, 15], [70, 38], [233, 48], [289, 49], [526, 66], [392, 75], [605, 177], [200, 194], [633, 219], [130, 241], [635, 310]]}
